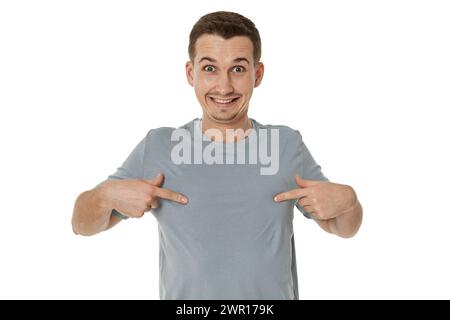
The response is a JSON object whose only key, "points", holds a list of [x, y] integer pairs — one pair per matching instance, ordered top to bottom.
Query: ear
{"points": [[189, 72], [259, 73]]}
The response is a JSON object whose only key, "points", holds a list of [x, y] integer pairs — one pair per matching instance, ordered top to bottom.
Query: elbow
{"points": [[75, 223], [79, 224], [82, 229], [74, 230], [77, 230], [351, 231], [82, 232], [347, 234]]}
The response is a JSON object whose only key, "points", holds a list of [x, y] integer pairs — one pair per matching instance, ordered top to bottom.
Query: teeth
{"points": [[222, 101]]}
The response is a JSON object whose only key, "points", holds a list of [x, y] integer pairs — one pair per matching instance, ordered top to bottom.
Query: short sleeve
{"points": [[131, 168], [309, 169]]}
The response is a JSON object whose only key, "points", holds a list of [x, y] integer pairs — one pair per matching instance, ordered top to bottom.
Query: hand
{"points": [[134, 197], [324, 200]]}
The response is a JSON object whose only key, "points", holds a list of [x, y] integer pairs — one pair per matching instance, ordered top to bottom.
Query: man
{"points": [[225, 226]]}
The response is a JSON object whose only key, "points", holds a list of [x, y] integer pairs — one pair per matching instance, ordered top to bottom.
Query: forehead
{"points": [[218, 48]]}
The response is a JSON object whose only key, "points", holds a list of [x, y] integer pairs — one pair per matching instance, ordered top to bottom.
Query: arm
{"points": [[130, 197], [335, 207], [92, 213], [346, 224]]}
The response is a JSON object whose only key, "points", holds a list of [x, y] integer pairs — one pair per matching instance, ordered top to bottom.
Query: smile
{"points": [[223, 102]]}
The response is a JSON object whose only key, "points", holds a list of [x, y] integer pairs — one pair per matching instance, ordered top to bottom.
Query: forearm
{"points": [[91, 213], [346, 225]]}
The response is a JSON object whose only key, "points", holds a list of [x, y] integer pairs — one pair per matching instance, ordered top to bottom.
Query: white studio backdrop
{"points": [[366, 83]]}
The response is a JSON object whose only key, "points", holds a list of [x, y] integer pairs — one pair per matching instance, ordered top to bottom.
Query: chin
{"points": [[222, 117]]}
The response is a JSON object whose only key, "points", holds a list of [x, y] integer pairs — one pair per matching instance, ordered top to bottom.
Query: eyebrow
{"points": [[235, 60]]}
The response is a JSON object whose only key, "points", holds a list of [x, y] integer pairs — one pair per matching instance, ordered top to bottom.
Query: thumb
{"points": [[157, 180], [303, 182]]}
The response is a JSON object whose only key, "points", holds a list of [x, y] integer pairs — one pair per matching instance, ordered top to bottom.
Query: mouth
{"points": [[224, 102]]}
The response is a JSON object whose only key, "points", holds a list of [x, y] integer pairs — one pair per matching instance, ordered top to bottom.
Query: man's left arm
{"points": [[335, 207], [346, 224]]}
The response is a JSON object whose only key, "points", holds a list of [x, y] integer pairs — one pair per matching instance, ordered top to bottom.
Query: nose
{"points": [[224, 84]]}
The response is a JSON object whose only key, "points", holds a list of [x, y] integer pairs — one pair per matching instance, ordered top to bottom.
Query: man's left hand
{"points": [[324, 200]]}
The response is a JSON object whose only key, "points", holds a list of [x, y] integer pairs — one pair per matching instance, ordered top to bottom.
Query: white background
{"points": [[366, 82]]}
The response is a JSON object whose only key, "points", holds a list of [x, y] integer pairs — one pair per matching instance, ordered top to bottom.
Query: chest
{"points": [[224, 200]]}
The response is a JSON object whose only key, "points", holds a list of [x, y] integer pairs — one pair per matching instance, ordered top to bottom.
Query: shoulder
{"points": [[285, 132], [159, 133], [163, 135]]}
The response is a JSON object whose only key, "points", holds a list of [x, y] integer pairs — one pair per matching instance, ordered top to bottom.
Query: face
{"points": [[223, 75]]}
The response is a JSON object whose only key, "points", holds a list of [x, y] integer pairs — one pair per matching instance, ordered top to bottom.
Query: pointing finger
{"points": [[170, 195], [291, 195]]}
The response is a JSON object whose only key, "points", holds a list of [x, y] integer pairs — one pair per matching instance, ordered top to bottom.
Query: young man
{"points": [[224, 207]]}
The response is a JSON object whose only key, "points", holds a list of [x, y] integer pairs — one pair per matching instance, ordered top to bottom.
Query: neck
{"points": [[244, 124]]}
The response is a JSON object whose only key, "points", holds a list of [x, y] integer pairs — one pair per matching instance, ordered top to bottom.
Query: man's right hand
{"points": [[134, 197]]}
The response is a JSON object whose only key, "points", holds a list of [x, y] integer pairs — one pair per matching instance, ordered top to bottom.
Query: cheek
{"points": [[203, 83], [244, 85]]}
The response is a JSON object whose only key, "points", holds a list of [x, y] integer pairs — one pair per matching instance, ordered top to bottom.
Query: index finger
{"points": [[291, 194], [170, 195]]}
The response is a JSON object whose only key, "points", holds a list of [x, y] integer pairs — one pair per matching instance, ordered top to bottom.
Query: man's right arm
{"points": [[130, 197], [93, 210], [92, 213]]}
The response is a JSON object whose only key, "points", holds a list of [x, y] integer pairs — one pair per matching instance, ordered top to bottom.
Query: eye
{"points": [[209, 68], [238, 69]]}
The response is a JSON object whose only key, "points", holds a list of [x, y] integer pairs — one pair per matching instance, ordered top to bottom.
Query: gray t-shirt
{"points": [[231, 241]]}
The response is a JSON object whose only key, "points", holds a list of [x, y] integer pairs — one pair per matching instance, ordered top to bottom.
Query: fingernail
{"points": [[159, 174], [275, 198], [184, 200]]}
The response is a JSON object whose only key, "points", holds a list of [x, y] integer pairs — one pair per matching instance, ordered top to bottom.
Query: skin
{"points": [[222, 69], [219, 71], [131, 197], [335, 207]]}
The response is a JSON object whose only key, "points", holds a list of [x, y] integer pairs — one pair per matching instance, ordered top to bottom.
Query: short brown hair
{"points": [[227, 25]]}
